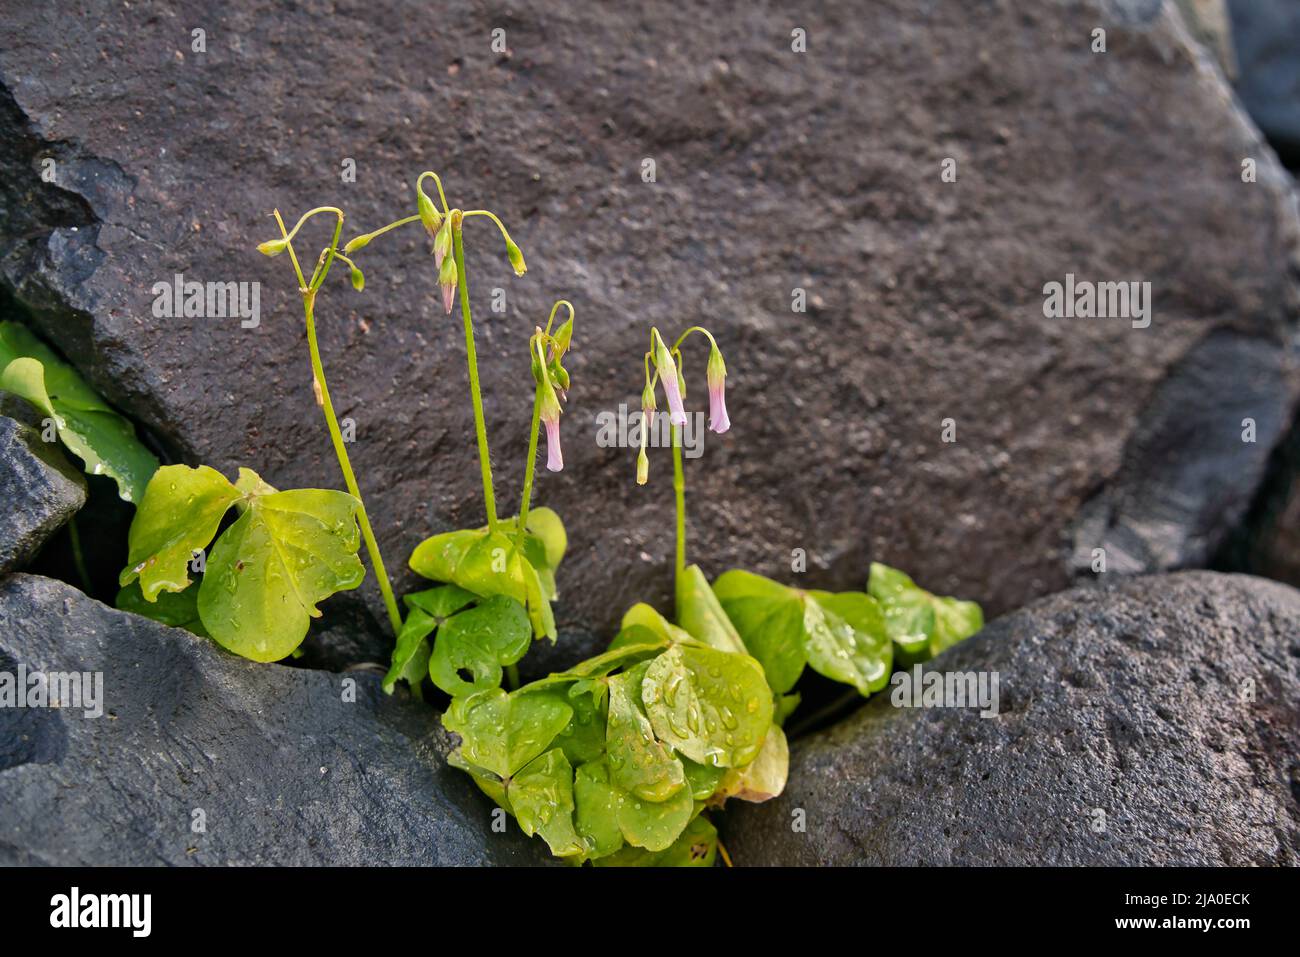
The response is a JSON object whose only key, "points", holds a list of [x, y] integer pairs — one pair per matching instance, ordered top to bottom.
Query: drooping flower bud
{"points": [[429, 215], [358, 242], [442, 243], [273, 247], [516, 257], [358, 280], [447, 280], [717, 376], [672, 386], [551, 419], [642, 467]]}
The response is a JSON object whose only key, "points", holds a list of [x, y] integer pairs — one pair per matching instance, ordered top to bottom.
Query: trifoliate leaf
{"points": [[105, 442], [179, 514], [486, 563], [267, 572], [440, 602], [427, 610], [700, 614], [922, 624], [476, 643], [712, 706], [502, 732], [638, 763], [541, 795]]}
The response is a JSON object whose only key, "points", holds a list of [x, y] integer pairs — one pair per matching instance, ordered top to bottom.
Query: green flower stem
{"points": [[471, 360], [340, 448], [530, 468], [679, 492], [512, 676]]}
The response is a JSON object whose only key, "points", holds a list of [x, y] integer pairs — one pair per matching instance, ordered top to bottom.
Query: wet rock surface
{"points": [[779, 175], [40, 490], [1151, 723], [203, 758]]}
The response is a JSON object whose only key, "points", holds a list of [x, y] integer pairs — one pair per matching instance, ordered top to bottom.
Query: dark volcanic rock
{"points": [[1266, 34], [776, 171], [39, 488], [1166, 709], [282, 767]]}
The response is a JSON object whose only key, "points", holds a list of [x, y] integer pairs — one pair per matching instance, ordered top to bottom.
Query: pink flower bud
{"points": [[447, 280], [668, 376], [717, 376]]}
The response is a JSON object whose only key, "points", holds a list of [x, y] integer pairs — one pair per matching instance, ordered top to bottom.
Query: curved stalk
{"points": [[471, 360], [331, 421]]}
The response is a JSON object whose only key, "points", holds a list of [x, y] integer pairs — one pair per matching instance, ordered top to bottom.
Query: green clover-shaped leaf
{"points": [[105, 442], [179, 514], [287, 552], [487, 563], [426, 611], [920, 624], [841, 636], [477, 642], [712, 706], [502, 732], [763, 778], [541, 796], [696, 846]]}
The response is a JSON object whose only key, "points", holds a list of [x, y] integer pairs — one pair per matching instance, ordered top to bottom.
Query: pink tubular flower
{"points": [[717, 375], [551, 419], [554, 456]]}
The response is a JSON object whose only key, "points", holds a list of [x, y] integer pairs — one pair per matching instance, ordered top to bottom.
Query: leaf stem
{"points": [[471, 361], [530, 466], [679, 493], [512, 676]]}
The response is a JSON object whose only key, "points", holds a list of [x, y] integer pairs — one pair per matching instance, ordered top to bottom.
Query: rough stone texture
{"points": [[1210, 22], [1267, 38], [775, 170], [39, 488], [1129, 699], [285, 770]]}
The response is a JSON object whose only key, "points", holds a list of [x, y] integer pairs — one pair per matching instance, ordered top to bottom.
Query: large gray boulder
{"points": [[779, 175], [39, 488], [1153, 723], [200, 757]]}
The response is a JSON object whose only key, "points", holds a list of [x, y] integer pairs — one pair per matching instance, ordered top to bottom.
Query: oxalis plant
{"points": [[286, 551], [619, 759]]}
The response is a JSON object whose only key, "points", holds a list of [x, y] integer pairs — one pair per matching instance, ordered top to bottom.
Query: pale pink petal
{"points": [[554, 457]]}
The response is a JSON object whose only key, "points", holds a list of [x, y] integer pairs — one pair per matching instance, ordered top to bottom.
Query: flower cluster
{"points": [[663, 366]]}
